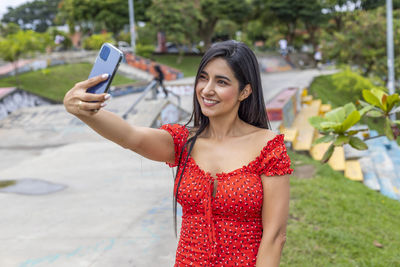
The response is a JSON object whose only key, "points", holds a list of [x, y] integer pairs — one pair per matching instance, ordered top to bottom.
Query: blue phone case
{"points": [[107, 61]]}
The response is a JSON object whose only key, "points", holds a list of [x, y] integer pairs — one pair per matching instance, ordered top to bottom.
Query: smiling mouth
{"points": [[209, 101]]}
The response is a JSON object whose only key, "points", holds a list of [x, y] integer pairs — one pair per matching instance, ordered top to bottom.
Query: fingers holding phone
{"points": [[87, 97], [78, 102]]}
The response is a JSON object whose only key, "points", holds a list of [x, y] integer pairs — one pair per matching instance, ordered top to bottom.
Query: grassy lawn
{"points": [[188, 65], [55, 81], [323, 88], [334, 222]]}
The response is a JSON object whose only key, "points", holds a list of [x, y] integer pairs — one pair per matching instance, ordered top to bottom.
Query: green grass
{"points": [[188, 65], [54, 82], [323, 88], [5, 183], [334, 222]]}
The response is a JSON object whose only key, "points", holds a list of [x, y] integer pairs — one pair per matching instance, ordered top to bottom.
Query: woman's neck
{"points": [[221, 127]]}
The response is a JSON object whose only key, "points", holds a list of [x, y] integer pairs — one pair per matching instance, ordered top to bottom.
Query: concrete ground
{"points": [[116, 208]]}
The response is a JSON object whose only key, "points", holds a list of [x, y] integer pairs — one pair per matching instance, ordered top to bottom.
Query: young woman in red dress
{"points": [[232, 177]]}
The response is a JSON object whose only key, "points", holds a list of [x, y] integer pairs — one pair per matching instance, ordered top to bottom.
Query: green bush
{"points": [[146, 35], [124, 36], [95, 41], [144, 50], [351, 84]]}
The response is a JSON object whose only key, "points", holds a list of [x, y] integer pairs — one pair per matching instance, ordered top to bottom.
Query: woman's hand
{"points": [[78, 102]]}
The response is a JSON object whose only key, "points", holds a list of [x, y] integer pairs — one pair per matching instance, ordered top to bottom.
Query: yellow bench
{"points": [[304, 92], [306, 99], [324, 109], [306, 132], [290, 134], [304, 139], [318, 151], [337, 161], [353, 170]]}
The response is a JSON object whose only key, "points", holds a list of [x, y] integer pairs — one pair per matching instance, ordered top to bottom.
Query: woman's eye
{"points": [[222, 82]]}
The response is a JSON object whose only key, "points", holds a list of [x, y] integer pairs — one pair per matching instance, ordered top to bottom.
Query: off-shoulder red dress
{"points": [[224, 230]]}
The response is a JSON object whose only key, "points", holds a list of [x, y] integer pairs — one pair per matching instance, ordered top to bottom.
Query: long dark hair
{"points": [[252, 110]]}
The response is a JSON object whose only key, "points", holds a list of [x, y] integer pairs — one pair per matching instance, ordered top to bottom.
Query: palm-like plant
{"points": [[336, 125]]}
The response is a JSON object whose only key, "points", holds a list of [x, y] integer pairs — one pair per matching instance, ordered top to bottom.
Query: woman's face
{"points": [[217, 89]]}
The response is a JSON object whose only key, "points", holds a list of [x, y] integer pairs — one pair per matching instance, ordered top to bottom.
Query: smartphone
{"points": [[107, 61]]}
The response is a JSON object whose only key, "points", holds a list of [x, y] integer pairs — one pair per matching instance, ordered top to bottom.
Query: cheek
{"points": [[198, 87], [229, 94]]}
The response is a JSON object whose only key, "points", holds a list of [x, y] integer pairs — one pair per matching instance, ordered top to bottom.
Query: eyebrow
{"points": [[217, 76]]}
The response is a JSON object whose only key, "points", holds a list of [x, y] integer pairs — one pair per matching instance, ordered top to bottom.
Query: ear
{"points": [[247, 90]]}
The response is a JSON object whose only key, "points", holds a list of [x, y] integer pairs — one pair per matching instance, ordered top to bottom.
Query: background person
{"points": [[318, 58], [160, 79], [232, 179]]}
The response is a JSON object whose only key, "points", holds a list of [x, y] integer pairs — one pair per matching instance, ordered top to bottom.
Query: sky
{"points": [[13, 3]]}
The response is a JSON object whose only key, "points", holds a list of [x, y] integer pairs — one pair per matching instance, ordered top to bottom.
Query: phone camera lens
{"points": [[105, 51]]}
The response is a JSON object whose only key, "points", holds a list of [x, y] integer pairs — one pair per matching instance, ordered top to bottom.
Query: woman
{"points": [[232, 215]]}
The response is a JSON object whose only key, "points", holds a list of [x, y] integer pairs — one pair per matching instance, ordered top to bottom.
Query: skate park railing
{"points": [[152, 86]]}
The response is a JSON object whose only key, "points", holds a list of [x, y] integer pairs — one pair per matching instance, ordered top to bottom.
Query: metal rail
{"points": [[152, 86], [149, 87]]}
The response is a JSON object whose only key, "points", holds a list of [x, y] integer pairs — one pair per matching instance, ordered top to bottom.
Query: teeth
{"points": [[209, 101]]}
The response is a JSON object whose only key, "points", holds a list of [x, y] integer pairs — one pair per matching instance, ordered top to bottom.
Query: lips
{"points": [[209, 102]]}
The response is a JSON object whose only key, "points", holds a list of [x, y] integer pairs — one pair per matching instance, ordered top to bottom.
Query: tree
{"points": [[372, 4], [141, 6], [336, 9], [213, 10], [287, 13], [294, 14], [37, 15], [96, 15], [311, 15], [202, 16], [177, 19], [9, 28], [362, 42], [22, 43]]}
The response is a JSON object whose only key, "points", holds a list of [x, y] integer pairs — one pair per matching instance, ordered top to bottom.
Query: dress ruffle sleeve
{"points": [[179, 134], [274, 159]]}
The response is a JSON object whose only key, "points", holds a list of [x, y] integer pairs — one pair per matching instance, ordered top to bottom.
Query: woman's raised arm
{"points": [[154, 144]]}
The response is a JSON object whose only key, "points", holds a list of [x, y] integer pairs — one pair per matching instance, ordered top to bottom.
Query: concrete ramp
{"points": [[26, 132], [115, 207], [116, 210]]}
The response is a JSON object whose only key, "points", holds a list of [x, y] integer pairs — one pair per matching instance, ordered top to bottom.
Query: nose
{"points": [[208, 88]]}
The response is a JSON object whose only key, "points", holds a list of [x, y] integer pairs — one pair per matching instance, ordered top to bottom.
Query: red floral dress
{"points": [[224, 230]]}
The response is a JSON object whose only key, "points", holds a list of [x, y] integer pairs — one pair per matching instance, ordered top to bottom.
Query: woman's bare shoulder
{"points": [[263, 136]]}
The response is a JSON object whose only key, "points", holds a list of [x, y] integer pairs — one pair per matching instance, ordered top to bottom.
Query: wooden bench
{"points": [[304, 92], [306, 99], [283, 107], [324, 109], [306, 132], [290, 134], [304, 139], [318, 151], [337, 161], [353, 170]]}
